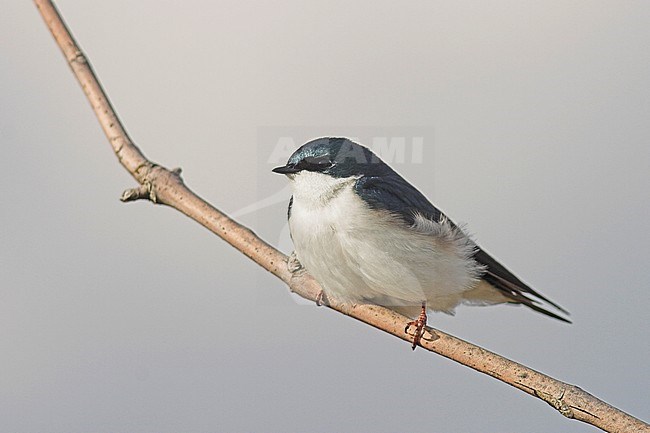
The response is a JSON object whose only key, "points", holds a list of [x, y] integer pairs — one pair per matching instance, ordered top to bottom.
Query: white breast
{"points": [[361, 254]]}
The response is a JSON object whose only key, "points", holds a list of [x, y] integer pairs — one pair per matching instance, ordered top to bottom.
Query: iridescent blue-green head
{"points": [[336, 157]]}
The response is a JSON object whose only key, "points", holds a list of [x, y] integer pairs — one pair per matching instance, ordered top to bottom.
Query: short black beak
{"points": [[285, 169]]}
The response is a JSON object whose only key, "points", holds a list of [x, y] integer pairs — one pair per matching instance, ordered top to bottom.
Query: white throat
{"points": [[317, 189]]}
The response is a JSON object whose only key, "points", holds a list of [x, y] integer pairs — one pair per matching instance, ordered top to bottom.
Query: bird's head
{"points": [[339, 158]]}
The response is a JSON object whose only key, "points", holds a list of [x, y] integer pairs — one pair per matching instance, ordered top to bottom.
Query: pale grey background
{"points": [[132, 318]]}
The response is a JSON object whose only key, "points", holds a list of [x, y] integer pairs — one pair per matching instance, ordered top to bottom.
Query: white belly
{"points": [[358, 254]]}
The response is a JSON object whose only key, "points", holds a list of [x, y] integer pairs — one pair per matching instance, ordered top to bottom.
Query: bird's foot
{"points": [[293, 264], [321, 298], [420, 323]]}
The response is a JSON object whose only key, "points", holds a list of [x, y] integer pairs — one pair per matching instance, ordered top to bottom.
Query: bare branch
{"points": [[164, 186]]}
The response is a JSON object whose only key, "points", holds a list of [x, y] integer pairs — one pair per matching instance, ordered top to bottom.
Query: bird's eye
{"points": [[314, 163]]}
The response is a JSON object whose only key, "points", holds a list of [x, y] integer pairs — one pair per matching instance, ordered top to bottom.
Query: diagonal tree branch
{"points": [[164, 186]]}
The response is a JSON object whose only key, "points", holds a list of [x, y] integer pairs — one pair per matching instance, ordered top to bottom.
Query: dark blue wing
{"points": [[395, 195], [511, 286]]}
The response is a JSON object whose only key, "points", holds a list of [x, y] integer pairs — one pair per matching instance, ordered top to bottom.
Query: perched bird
{"points": [[368, 236]]}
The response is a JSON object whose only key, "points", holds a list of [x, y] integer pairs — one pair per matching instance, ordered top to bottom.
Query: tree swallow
{"points": [[368, 236]]}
